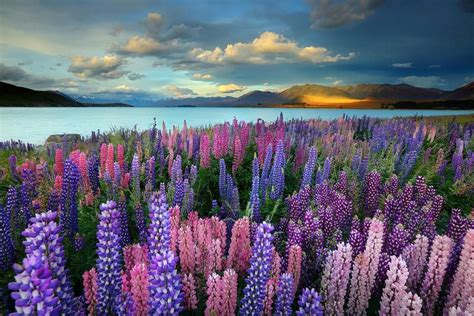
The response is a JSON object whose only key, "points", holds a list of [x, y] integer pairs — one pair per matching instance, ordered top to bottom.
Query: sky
{"points": [[149, 49]]}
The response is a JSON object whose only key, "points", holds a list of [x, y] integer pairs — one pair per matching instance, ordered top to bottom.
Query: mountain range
{"points": [[308, 95], [313, 95]]}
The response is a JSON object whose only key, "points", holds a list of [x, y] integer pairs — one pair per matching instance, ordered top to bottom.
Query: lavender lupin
{"points": [[12, 166], [309, 168], [93, 173], [277, 178], [264, 179], [255, 200], [68, 203], [160, 226], [124, 234], [42, 237], [6, 241], [259, 271], [109, 277], [165, 285], [33, 289], [285, 295], [309, 303]]}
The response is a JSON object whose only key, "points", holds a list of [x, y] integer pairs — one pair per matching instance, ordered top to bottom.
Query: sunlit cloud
{"points": [[143, 46], [267, 48], [107, 67], [199, 76], [230, 88], [179, 92]]}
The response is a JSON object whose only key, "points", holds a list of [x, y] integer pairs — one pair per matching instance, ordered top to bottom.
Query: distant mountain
{"points": [[297, 92], [393, 92], [464, 93], [307, 95], [14, 96], [260, 98], [195, 101]]}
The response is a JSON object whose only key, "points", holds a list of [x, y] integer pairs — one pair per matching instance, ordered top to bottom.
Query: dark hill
{"points": [[14, 96]]}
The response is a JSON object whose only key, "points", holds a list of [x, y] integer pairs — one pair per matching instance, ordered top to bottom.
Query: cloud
{"points": [[335, 13], [153, 23], [116, 30], [180, 31], [158, 40], [143, 46], [268, 48], [25, 62], [402, 65], [434, 66], [107, 67], [12, 73], [19, 76], [135, 76], [199, 76], [469, 79], [423, 82], [337, 83], [230, 88], [121, 89], [179, 92]]}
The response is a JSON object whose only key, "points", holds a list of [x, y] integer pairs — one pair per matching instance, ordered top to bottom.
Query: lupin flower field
{"points": [[351, 216]]}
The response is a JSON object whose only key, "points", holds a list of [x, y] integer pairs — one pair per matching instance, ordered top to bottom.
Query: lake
{"points": [[34, 125]]}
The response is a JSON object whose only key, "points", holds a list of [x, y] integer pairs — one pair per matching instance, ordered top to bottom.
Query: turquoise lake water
{"points": [[34, 125]]}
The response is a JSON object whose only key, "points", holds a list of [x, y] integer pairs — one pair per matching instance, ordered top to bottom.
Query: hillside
{"points": [[394, 92], [464, 93], [307, 95], [14, 96], [260, 98]]}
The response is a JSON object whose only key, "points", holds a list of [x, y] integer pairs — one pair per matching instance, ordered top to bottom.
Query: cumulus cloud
{"points": [[335, 13], [153, 23], [180, 31], [157, 40], [142, 46], [268, 48], [402, 65], [107, 67], [12, 73], [135, 76], [199, 76], [423, 81], [230, 88], [179, 92]]}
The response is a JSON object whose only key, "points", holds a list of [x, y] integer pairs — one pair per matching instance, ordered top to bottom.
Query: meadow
{"points": [[348, 216]]}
